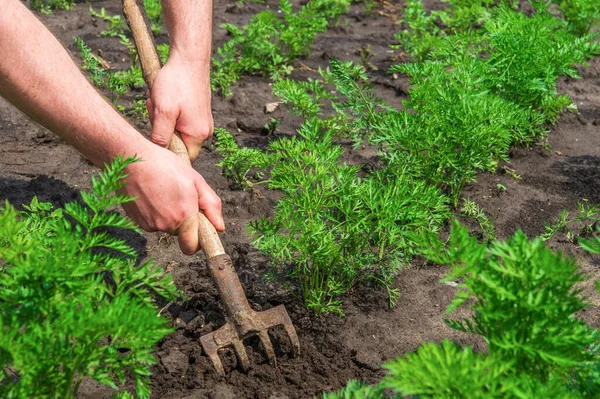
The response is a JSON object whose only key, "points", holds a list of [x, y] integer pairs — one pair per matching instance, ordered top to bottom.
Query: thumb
{"points": [[163, 125], [210, 203], [188, 235]]}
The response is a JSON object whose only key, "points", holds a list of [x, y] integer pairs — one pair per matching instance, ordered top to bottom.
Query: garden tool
{"points": [[242, 320]]}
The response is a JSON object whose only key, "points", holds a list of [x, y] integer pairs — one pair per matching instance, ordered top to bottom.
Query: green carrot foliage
{"points": [[270, 43], [73, 301]]}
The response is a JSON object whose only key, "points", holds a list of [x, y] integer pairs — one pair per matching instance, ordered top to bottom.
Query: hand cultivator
{"points": [[243, 321]]}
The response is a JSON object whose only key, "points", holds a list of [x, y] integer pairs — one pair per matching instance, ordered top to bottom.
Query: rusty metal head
{"points": [[243, 322]]}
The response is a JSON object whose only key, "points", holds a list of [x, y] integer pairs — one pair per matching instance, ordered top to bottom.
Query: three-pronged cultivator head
{"points": [[243, 322]]}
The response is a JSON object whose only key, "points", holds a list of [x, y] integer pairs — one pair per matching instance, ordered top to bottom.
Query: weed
{"points": [[364, 52], [271, 126], [471, 210], [587, 219], [73, 301]]}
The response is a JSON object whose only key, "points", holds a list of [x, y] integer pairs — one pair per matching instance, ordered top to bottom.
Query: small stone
{"points": [[271, 107], [558, 153], [188, 315], [178, 323], [195, 324], [368, 359], [175, 362], [223, 391]]}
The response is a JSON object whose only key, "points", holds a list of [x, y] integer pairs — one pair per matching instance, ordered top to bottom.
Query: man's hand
{"points": [[42, 81], [180, 99], [169, 195]]}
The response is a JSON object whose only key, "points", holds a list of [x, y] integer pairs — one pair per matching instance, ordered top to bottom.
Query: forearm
{"points": [[189, 23], [38, 76]]}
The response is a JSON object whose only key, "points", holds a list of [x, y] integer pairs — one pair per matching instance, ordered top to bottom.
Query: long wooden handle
{"points": [[144, 43]]}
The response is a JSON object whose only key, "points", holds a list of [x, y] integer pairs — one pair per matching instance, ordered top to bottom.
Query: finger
{"points": [[163, 125], [194, 131], [192, 144], [210, 203], [132, 212], [188, 235]]}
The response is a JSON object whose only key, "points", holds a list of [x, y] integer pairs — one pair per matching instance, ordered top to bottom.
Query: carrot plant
{"points": [[582, 15], [270, 43], [116, 82], [475, 96], [333, 226], [523, 300], [74, 302]]}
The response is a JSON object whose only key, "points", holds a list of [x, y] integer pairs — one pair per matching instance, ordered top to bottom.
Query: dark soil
{"points": [[34, 162]]}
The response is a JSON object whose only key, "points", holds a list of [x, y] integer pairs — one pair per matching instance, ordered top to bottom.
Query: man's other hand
{"points": [[180, 99]]}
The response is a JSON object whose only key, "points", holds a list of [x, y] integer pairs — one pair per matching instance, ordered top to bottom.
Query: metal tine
{"points": [[281, 317], [291, 331], [267, 346], [213, 353], [242, 356]]}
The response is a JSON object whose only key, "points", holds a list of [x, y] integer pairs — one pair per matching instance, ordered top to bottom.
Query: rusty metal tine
{"points": [[279, 316], [291, 332], [267, 346], [212, 350], [242, 356]]}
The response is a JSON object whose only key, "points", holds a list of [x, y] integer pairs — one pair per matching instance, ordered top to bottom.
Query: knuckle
{"points": [[165, 109], [160, 140], [216, 202], [162, 225], [149, 227]]}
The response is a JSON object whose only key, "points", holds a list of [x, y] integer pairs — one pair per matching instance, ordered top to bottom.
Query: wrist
{"points": [[190, 58], [127, 143]]}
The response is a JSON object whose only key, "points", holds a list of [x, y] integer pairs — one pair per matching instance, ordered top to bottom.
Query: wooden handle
{"points": [[144, 43]]}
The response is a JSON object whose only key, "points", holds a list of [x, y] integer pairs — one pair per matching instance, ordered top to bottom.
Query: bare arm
{"points": [[190, 29], [36, 72], [38, 76], [181, 95]]}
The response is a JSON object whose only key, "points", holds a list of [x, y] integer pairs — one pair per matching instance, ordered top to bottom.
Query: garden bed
{"points": [[334, 350]]}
